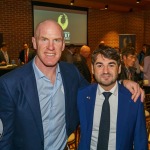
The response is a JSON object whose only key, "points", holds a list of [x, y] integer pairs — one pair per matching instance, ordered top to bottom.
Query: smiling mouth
{"points": [[50, 54], [106, 76]]}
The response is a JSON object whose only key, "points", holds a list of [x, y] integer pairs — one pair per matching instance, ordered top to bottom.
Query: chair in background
{"points": [[147, 102], [147, 116], [148, 131], [73, 139], [72, 142]]}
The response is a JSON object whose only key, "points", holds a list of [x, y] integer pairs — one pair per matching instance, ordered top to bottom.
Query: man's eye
{"points": [[44, 39], [57, 40], [111, 65], [99, 66]]}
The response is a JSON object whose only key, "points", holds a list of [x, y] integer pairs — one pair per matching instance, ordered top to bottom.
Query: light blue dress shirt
{"points": [[52, 104]]}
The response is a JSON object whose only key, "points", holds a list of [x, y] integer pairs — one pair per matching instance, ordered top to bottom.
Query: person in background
{"points": [[101, 43], [26, 54], [68, 54], [141, 55], [4, 57], [140, 58], [80, 60], [137, 66], [128, 70], [146, 70], [38, 101], [109, 119]]}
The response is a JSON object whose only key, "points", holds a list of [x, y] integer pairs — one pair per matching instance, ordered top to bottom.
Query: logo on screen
{"points": [[63, 21]]}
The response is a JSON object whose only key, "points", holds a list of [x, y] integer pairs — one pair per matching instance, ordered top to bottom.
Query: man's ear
{"points": [[34, 43], [63, 45], [92, 68], [119, 70]]}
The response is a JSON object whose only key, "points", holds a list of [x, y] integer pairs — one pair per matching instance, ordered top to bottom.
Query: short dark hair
{"points": [[3, 44], [71, 46], [128, 51], [107, 52]]}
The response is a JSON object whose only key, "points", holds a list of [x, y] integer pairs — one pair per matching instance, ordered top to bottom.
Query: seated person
{"points": [[26, 54], [4, 57], [128, 70]]}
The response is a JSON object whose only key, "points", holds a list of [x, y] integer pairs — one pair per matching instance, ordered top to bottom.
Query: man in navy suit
{"points": [[26, 54], [38, 101], [127, 127]]}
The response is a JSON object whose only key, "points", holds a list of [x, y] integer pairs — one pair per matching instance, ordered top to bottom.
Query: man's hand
{"points": [[135, 89]]}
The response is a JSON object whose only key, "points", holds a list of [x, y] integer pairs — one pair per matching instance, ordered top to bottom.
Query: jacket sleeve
{"points": [[7, 117], [140, 135]]}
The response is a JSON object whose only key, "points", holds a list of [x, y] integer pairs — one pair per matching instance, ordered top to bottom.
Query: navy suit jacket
{"points": [[20, 109], [131, 126]]}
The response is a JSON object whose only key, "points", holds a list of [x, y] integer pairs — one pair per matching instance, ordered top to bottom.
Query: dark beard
{"points": [[112, 82]]}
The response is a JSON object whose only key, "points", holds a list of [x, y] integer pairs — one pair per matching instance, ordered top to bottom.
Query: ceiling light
{"points": [[138, 1], [71, 2], [106, 6]]}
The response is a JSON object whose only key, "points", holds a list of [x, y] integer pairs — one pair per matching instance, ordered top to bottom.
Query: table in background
{"points": [[6, 69]]}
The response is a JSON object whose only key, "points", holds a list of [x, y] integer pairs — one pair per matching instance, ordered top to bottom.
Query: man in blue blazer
{"points": [[38, 101], [127, 120]]}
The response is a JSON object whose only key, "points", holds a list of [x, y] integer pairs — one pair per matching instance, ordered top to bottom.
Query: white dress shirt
{"points": [[113, 100]]}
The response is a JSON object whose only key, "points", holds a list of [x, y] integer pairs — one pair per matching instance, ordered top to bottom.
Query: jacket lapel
{"points": [[67, 86], [31, 95], [90, 104]]}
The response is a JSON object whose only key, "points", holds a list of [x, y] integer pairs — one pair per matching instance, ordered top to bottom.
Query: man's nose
{"points": [[50, 45], [105, 69]]}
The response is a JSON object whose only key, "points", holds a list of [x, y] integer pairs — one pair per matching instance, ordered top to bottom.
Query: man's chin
{"points": [[51, 65], [107, 83]]}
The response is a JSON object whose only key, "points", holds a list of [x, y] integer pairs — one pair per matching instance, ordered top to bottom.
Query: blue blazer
{"points": [[20, 109], [131, 126]]}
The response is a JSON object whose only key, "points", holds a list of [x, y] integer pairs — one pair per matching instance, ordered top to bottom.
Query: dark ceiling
{"points": [[114, 5]]}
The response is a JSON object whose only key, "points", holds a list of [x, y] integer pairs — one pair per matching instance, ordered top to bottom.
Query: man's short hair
{"points": [[71, 46], [128, 51], [107, 52]]}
